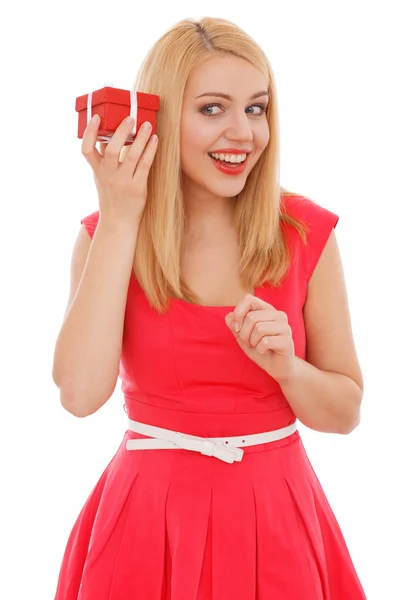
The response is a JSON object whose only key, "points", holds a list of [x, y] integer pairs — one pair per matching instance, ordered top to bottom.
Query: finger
{"points": [[116, 143], [102, 147], [88, 148], [136, 149], [123, 153], [145, 162], [246, 304], [254, 318], [229, 320], [254, 321], [262, 329], [275, 343], [264, 345]]}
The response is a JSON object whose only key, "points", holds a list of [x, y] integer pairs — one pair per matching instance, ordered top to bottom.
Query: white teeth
{"points": [[232, 158]]}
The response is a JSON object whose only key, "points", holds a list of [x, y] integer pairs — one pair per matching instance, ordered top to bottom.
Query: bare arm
{"points": [[88, 347], [326, 392]]}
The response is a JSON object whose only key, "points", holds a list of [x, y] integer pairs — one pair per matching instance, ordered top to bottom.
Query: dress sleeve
{"points": [[90, 222], [320, 222]]}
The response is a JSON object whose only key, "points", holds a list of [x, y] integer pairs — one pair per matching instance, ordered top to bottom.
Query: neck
{"points": [[206, 212]]}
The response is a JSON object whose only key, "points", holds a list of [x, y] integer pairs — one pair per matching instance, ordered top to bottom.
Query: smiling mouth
{"points": [[227, 162], [229, 165], [229, 168]]}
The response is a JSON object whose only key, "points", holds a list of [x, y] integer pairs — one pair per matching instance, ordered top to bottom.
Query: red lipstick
{"points": [[230, 151], [230, 168]]}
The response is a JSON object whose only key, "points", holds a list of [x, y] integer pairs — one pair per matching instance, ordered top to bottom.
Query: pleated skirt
{"points": [[177, 525]]}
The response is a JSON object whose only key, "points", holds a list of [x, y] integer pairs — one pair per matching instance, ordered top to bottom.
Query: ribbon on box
{"points": [[133, 113]]}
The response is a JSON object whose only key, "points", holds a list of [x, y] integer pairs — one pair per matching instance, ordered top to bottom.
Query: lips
{"points": [[230, 151], [227, 163], [229, 168]]}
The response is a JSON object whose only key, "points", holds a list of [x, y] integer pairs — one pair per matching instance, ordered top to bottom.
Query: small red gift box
{"points": [[113, 105]]}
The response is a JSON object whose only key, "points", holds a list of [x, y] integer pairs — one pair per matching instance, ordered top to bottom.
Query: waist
{"points": [[206, 424], [228, 449]]}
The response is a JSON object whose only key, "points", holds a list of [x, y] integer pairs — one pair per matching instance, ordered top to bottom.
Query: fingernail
{"points": [[95, 119], [129, 120], [146, 126], [236, 326]]}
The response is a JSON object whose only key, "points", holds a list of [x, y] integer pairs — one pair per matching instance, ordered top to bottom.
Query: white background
{"points": [[337, 77]]}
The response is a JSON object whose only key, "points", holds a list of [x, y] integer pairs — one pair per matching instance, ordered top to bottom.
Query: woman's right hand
{"points": [[122, 187]]}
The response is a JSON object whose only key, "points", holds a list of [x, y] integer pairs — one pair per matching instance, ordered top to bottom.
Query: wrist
{"points": [[118, 227], [291, 378]]}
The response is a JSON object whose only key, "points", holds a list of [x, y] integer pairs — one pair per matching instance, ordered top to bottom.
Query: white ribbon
{"points": [[134, 110], [133, 113], [228, 449], [228, 453]]}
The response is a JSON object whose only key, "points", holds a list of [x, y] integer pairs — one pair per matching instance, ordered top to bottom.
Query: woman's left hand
{"points": [[265, 336]]}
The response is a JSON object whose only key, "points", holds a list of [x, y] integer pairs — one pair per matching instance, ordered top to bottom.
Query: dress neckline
{"points": [[226, 308]]}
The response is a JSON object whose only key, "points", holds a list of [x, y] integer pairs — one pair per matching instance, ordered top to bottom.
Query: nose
{"points": [[239, 127]]}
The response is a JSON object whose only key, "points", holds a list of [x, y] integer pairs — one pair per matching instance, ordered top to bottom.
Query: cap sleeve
{"points": [[90, 222], [320, 222]]}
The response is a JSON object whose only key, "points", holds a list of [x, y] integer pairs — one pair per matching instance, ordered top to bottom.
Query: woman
{"points": [[219, 299]]}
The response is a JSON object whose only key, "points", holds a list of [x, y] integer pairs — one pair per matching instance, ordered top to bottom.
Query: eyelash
{"points": [[262, 106]]}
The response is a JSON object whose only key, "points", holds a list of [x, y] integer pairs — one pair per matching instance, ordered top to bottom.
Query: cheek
{"points": [[195, 137], [262, 138], [195, 143], [188, 152]]}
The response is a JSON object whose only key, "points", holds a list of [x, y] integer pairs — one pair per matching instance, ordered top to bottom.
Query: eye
{"points": [[207, 107], [262, 108], [206, 110]]}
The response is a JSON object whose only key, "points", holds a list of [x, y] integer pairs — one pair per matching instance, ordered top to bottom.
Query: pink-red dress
{"points": [[178, 525]]}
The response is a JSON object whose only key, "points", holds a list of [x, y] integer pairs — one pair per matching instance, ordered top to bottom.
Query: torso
{"points": [[210, 269]]}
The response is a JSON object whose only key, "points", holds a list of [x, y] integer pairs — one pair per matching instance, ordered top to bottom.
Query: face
{"points": [[215, 124]]}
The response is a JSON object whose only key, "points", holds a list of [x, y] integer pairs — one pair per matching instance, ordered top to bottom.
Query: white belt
{"points": [[226, 449]]}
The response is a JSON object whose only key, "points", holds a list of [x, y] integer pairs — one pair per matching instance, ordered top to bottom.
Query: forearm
{"points": [[322, 400]]}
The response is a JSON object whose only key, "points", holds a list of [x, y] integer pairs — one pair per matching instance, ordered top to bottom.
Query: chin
{"points": [[227, 189]]}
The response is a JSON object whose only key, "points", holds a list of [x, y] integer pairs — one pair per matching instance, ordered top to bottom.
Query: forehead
{"points": [[227, 74]]}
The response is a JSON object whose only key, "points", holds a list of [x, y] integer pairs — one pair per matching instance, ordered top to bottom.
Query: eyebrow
{"points": [[227, 97]]}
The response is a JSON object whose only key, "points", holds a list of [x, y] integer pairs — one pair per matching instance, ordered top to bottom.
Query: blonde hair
{"points": [[257, 212]]}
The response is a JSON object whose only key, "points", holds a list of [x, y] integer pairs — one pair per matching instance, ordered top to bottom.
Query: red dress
{"points": [[177, 525]]}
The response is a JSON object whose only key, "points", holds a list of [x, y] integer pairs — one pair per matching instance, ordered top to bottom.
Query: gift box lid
{"points": [[118, 96]]}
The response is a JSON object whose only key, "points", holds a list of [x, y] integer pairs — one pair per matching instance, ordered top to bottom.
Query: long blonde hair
{"points": [[257, 211]]}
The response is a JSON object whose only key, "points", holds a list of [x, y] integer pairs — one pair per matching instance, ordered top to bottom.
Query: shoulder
{"points": [[291, 204], [307, 210], [317, 216], [318, 223]]}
